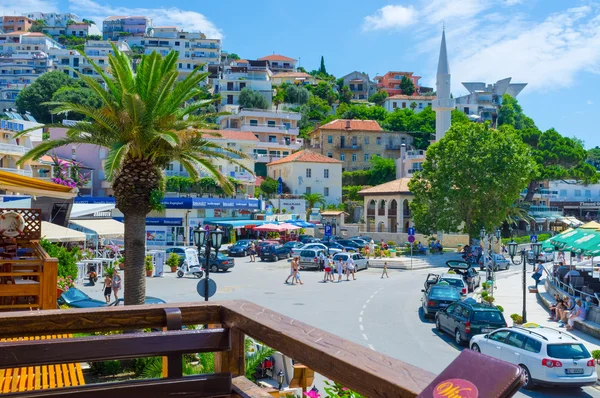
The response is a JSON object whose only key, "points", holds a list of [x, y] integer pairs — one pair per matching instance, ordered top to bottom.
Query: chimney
{"points": [[348, 127], [400, 162]]}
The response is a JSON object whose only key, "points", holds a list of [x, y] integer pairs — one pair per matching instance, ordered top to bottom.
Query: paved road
{"points": [[382, 314]]}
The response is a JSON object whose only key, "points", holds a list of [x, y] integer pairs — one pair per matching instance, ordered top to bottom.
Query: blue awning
{"points": [[237, 224], [302, 224]]}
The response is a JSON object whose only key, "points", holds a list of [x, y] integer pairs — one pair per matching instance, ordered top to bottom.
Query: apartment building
{"points": [[15, 24], [67, 24], [124, 27], [81, 29], [280, 63], [253, 74], [293, 78], [390, 82], [360, 85], [484, 100], [414, 102], [276, 132], [356, 142], [12, 149], [310, 172]]}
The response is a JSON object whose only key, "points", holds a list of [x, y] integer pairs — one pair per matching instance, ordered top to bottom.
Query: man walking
{"points": [[384, 270]]}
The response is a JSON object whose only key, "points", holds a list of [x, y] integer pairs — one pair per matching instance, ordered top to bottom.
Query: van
{"points": [[309, 258]]}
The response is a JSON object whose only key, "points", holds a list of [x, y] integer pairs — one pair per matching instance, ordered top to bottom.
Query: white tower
{"points": [[443, 105]]}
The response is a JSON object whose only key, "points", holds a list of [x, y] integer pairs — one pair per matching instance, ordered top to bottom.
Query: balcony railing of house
{"points": [[349, 147], [393, 147], [12, 148], [415, 154], [411, 171], [26, 173], [370, 212], [381, 212], [392, 212], [406, 214], [367, 372]]}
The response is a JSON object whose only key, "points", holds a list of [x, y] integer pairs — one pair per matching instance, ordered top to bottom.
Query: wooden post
{"points": [[48, 281], [234, 360], [172, 365]]}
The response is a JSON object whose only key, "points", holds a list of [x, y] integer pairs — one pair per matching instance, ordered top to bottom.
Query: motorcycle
{"points": [[191, 265]]}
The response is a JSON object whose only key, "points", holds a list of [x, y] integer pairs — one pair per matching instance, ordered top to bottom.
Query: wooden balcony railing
{"points": [[359, 368]]}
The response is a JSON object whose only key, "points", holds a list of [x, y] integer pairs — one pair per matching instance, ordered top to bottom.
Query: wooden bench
{"points": [[43, 377]]}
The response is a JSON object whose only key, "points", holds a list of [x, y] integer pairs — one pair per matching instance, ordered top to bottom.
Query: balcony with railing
{"points": [[270, 128], [349, 147], [12, 149], [414, 154], [26, 173], [381, 212]]}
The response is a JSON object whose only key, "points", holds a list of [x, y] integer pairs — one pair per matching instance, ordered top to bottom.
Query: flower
{"points": [[312, 394]]}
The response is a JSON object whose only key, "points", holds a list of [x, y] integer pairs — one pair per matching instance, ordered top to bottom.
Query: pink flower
{"points": [[312, 394]]}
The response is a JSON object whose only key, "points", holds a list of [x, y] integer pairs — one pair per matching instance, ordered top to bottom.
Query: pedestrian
{"points": [[372, 247], [252, 252], [322, 258], [296, 267], [331, 268], [340, 268], [350, 268], [384, 270], [326, 271], [538, 273], [291, 275], [116, 283], [107, 288], [554, 307], [577, 313]]}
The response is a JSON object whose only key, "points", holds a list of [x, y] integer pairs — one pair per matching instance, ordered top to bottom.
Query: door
{"points": [[342, 142], [432, 279], [444, 316], [495, 343], [515, 353], [531, 356]]}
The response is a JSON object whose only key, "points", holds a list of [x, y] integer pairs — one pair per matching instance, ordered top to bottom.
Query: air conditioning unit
{"points": [[6, 136]]}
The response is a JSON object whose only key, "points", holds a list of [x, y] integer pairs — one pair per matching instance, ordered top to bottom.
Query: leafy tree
{"points": [[88, 22], [37, 26], [234, 57], [322, 68], [301, 69], [339, 83], [407, 86], [324, 91], [296, 94], [77, 95], [345, 95], [34, 97], [279, 97], [379, 97], [253, 99], [413, 105], [315, 109], [365, 112], [512, 114], [459, 117], [145, 126], [594, 157], [382, 170], [470, 180], [269, 186], [313, 199]]}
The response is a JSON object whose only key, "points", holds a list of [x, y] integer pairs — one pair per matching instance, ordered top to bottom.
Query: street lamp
{"points": [[498, 234], [207, 239], [512, 252], [280, 380]]}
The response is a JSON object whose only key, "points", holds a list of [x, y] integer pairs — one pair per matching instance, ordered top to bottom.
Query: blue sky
{"points": [[552, 45]]}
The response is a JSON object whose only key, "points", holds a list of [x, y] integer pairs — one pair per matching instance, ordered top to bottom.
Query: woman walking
{"points": [[252, 252], [296, 267], [340, 268], [384, 270], [292, 274], [116, 283], [107, 288]]}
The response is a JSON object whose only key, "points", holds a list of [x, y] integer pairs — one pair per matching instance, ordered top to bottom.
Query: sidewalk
{"points": [[417, 262], [509, 295]]}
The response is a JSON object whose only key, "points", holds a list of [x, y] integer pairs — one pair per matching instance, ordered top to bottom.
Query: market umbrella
{"points": [[288, 227], [269, 228], [580, 241]]}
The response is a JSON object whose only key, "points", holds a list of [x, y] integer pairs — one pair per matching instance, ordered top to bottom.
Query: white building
{"points": [[280, 63], [255, 75], [484, 100], [406, 101], [443, 104], [12, 149], [309, 172]]}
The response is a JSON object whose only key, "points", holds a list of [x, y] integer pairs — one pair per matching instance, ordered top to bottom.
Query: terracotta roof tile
{"points": [[276, 57], [412, 97], [346, 124], [231, 135], [305, 156], [396, 186]]}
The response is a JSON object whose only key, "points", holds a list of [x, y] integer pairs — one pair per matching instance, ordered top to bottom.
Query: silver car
{"points": [[297, 250], [544, 256], [309, 258], [359, 261], [498, 261]]}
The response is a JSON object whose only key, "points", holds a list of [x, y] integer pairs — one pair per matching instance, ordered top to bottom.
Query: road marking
{"points": [[368, 301], [364, 306], [362, 312], [360, 319], [365, 337]]}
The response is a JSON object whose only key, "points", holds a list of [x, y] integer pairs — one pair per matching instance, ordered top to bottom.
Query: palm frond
{"points": [[255, 359]]}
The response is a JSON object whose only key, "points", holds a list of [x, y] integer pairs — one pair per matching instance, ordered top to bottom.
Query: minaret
{"points": [[443, 105]]}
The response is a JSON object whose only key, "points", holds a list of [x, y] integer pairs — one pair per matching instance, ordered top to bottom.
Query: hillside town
{"points": [[145, 169]]}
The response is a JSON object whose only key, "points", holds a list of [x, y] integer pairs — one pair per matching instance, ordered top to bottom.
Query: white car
{"points": [[297, 250], [544, 256], [359, 261], [454, 280], [548, 356]]}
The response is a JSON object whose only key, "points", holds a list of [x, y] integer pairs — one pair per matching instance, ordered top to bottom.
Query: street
{"points": [[382, 314]]}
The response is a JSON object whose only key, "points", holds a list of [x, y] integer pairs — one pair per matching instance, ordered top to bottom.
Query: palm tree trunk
{"points": [[135, 253]]}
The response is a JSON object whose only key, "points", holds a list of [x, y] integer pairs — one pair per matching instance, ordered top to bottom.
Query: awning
{"points": [[34, 186], [85, 209], [540, 220], [236, 224], [103, 227], [270, 228], [57, 233]]}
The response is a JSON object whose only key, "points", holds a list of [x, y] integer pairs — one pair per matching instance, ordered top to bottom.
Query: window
{"points": [[177, 43], [397, 77], [352, 87], [360, 87], [394, 104], [404, 105], [420, 105], [466, 110], [270, 123], [272, 138], [330, 139], [366, 140], [378, 140], [330, 155], [342, 156], [354, 157], [366, 157], [308, 173], [326, 173], [308, 190], [326, 191], [563, 192], [577, 192], [588, 193], [499, 336], [516, 340], [532, 345], [567, 351]]}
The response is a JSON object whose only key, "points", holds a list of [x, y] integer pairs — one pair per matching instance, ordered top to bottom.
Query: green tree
{"points": [[37, 26], [234, 56], [322, 68], [339, 83], [407, 86], [324, 91], [296, 94], [77, 95], [345, 95], [279, 97], [379, 97], [34, 98], [253, 99], [413, 105], [315, 109], [512, 114], [459, 117], [145, 126], [593, 157], [382, 170], [470, 180], [268, 186], [313, 199]]}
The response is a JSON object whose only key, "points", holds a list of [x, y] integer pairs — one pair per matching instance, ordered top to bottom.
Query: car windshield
{"points": [[242, 243], [290, 244], [220, 256], [343, 257], [453, 282], [442, 293], [72, 295], [487, 316], [568, 351]]}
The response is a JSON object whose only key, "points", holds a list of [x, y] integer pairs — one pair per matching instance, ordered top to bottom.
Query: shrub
{"points": [[391, 243], [386, 253], [67, 260], [173, 260], [148, 263], [484, 294], [489, 299], [500, 308], [518, 319], [596, 355], [106, 368]]}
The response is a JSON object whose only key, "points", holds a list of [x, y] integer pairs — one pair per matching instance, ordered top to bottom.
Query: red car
{"points": [[264, 243]]}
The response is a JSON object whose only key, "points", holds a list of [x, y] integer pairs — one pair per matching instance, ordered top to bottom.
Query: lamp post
{"points": [[207, 239], [512, 252], [280, 380]]}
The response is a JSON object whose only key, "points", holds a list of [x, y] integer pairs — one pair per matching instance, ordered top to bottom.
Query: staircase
{"points": [[418, 262]]}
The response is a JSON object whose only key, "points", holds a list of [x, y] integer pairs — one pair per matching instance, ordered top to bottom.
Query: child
{"points": [[384, 270], [327, 273], [107, 288]]}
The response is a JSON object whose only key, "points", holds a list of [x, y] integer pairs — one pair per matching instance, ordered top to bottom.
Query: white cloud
{"points": [[513, 2], [12, 8], [389, 17], [187, 20], [590, 102]]}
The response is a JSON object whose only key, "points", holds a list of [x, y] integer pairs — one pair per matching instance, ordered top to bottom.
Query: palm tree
{"points": [[145, 124], [313, 199], [519, 211]]}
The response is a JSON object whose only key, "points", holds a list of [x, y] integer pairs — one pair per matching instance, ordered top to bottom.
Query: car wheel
{"points": [[245, 253], [288, 255], [262, 259], [214, 268], [179, 274], [437, 324], [457, 338], [476, 348], [528, 383]]}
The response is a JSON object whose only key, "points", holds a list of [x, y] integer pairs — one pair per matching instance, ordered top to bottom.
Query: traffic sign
{"points": [[279, 186], [328, 230], [411, 231], [411, 238], [533, 239], [212, 287]]}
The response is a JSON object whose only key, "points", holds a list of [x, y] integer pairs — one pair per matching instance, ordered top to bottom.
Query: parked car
{"points": [[305, 238], [361, 241], [263, 243], [351, 243], [293, 245], [336, 245], [240, 248], [179, 250], [296, 251], [274, 252], [544, 256], [309, 258], [497, 260], [359, 261], [220, 262], [469, 274], [454, 280], [75, 298], [436, 298], [465, 319], [548, 356]]}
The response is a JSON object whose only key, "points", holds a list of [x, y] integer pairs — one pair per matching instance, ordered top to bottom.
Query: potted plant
{"points": [[120, 262], [173, 262], [148, 264], [63, 284], [517, 319], [596, 356]]}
